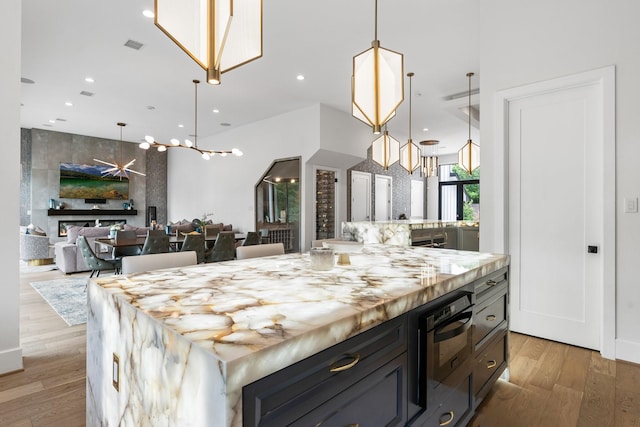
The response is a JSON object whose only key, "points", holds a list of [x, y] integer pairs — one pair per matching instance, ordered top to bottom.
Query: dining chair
{"points": [[211, 231], [126, 237], [253, 238], [194, 242], [155, 243], [224, 247], [255, 251], [91, 259], [150, 262]]}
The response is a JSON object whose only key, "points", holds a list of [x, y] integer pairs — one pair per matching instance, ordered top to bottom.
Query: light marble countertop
{"points": [[239, 307], [260, 315]]}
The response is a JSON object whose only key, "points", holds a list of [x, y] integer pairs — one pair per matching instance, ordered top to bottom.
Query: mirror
{"points": [[278, 204]]}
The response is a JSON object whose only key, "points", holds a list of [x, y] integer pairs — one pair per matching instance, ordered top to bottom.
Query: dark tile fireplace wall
{"points": [[42, 151]]}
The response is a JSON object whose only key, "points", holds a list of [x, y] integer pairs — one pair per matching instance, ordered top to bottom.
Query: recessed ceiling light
{"points": [[148, 13], [300, 77], [89, 79], [26, 80], [86, 93], [68, 104], [150, 107], [215, 110], [60, 120], [52, 121], [225, 124], [47, 125], [180, 126], [425, 129]]}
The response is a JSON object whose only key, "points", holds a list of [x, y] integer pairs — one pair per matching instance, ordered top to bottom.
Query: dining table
{"points": [[108, 244]]}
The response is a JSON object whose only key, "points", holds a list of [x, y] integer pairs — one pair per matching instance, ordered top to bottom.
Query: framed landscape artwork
{"points": [[90, 182]]}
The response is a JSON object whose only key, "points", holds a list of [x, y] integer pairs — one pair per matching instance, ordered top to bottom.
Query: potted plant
{"points": [[112, 230]]}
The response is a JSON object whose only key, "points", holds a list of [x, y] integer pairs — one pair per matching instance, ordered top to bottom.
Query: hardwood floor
{"points": [[551, 384]]}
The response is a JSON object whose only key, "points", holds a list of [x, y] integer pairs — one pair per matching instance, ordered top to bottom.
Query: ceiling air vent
{"points": [[133, 44], [86, 93]]}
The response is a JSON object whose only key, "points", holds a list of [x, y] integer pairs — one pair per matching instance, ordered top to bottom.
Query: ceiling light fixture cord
{"points": [[375, 26], [469, 75], [195, 138]]}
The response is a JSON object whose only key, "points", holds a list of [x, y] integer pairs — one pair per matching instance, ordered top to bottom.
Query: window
{"points": [[459, 195]]}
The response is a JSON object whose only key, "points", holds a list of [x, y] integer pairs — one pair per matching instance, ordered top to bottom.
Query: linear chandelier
{"points": [[219, 35], [377, 83], [191, 145], [469, 154], [119, 169]]}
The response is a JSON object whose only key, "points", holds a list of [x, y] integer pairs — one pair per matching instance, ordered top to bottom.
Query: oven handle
{"points": [[443, 336]]}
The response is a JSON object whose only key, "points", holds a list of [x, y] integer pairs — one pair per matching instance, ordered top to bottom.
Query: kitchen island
{"points": [[461, 235], [177, 346]]}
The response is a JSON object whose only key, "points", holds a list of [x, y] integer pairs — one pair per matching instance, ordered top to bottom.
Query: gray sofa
{"points": [[68, 257]]}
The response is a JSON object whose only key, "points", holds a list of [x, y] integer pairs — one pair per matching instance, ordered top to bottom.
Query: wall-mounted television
{"points": [[89, 182]]}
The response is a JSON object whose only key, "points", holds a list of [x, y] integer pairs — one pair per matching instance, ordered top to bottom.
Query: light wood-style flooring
{"points": [[551, 384]]}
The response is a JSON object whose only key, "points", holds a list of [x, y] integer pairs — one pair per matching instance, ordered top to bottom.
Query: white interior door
{"points": [[556, 174], [360, 196], [417, 199], [383, 202]]}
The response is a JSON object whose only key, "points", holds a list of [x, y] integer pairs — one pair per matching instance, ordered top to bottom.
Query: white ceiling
{"points": [[64, 41]]}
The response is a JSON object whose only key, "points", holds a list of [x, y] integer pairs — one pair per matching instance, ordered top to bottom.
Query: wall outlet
{"points": [[631, 205], [116, 372]]}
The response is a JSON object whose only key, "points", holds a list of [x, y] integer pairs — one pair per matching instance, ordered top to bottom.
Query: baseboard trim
{"points": [[628, 351], [11, 361]]}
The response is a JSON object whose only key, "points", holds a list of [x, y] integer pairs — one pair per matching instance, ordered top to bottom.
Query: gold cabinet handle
{"points": [[491, 283], [491, 318], [356, 359], [491, 364], [447, 422]]}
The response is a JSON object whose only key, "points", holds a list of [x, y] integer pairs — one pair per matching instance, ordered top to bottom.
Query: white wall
{"points": [[10, 39], [523, 43], [318, 134]]}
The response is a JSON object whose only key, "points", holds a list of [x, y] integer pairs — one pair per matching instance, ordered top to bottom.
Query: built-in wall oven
{"points": [[445, 347]]}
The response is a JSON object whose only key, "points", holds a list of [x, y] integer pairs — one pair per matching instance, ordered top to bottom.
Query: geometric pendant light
{"points": [[219, 35], [377, 83], [385, 150], [410, 152], [469, 154]]}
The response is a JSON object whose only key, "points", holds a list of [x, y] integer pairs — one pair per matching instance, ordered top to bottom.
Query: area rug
{"points": [[67, 297]]}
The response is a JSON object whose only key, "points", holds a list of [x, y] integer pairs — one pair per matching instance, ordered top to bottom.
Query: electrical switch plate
{"points": [[631, 205], [116, 372]]}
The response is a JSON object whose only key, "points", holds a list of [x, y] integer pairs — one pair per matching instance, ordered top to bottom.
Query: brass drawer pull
{"points": [[491, 283], [491, 318], [356, 359], [491, 364], [447, 422]]}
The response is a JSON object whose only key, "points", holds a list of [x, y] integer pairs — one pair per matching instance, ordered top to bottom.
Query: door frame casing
{"points": [[604, 78]]}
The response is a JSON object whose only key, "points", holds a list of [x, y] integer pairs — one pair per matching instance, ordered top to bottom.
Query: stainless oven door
{"points": [[452, 344]]}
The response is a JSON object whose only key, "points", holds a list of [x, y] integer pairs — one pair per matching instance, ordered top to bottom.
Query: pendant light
{"points": [[219, 35], [377, 83], [192, 145], [385, 149], [410, 152], [469, 154], [430, 163], [119, 169]]}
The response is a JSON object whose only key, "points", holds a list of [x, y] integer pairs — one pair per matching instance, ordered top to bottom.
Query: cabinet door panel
{"points": [[377, 400]]}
